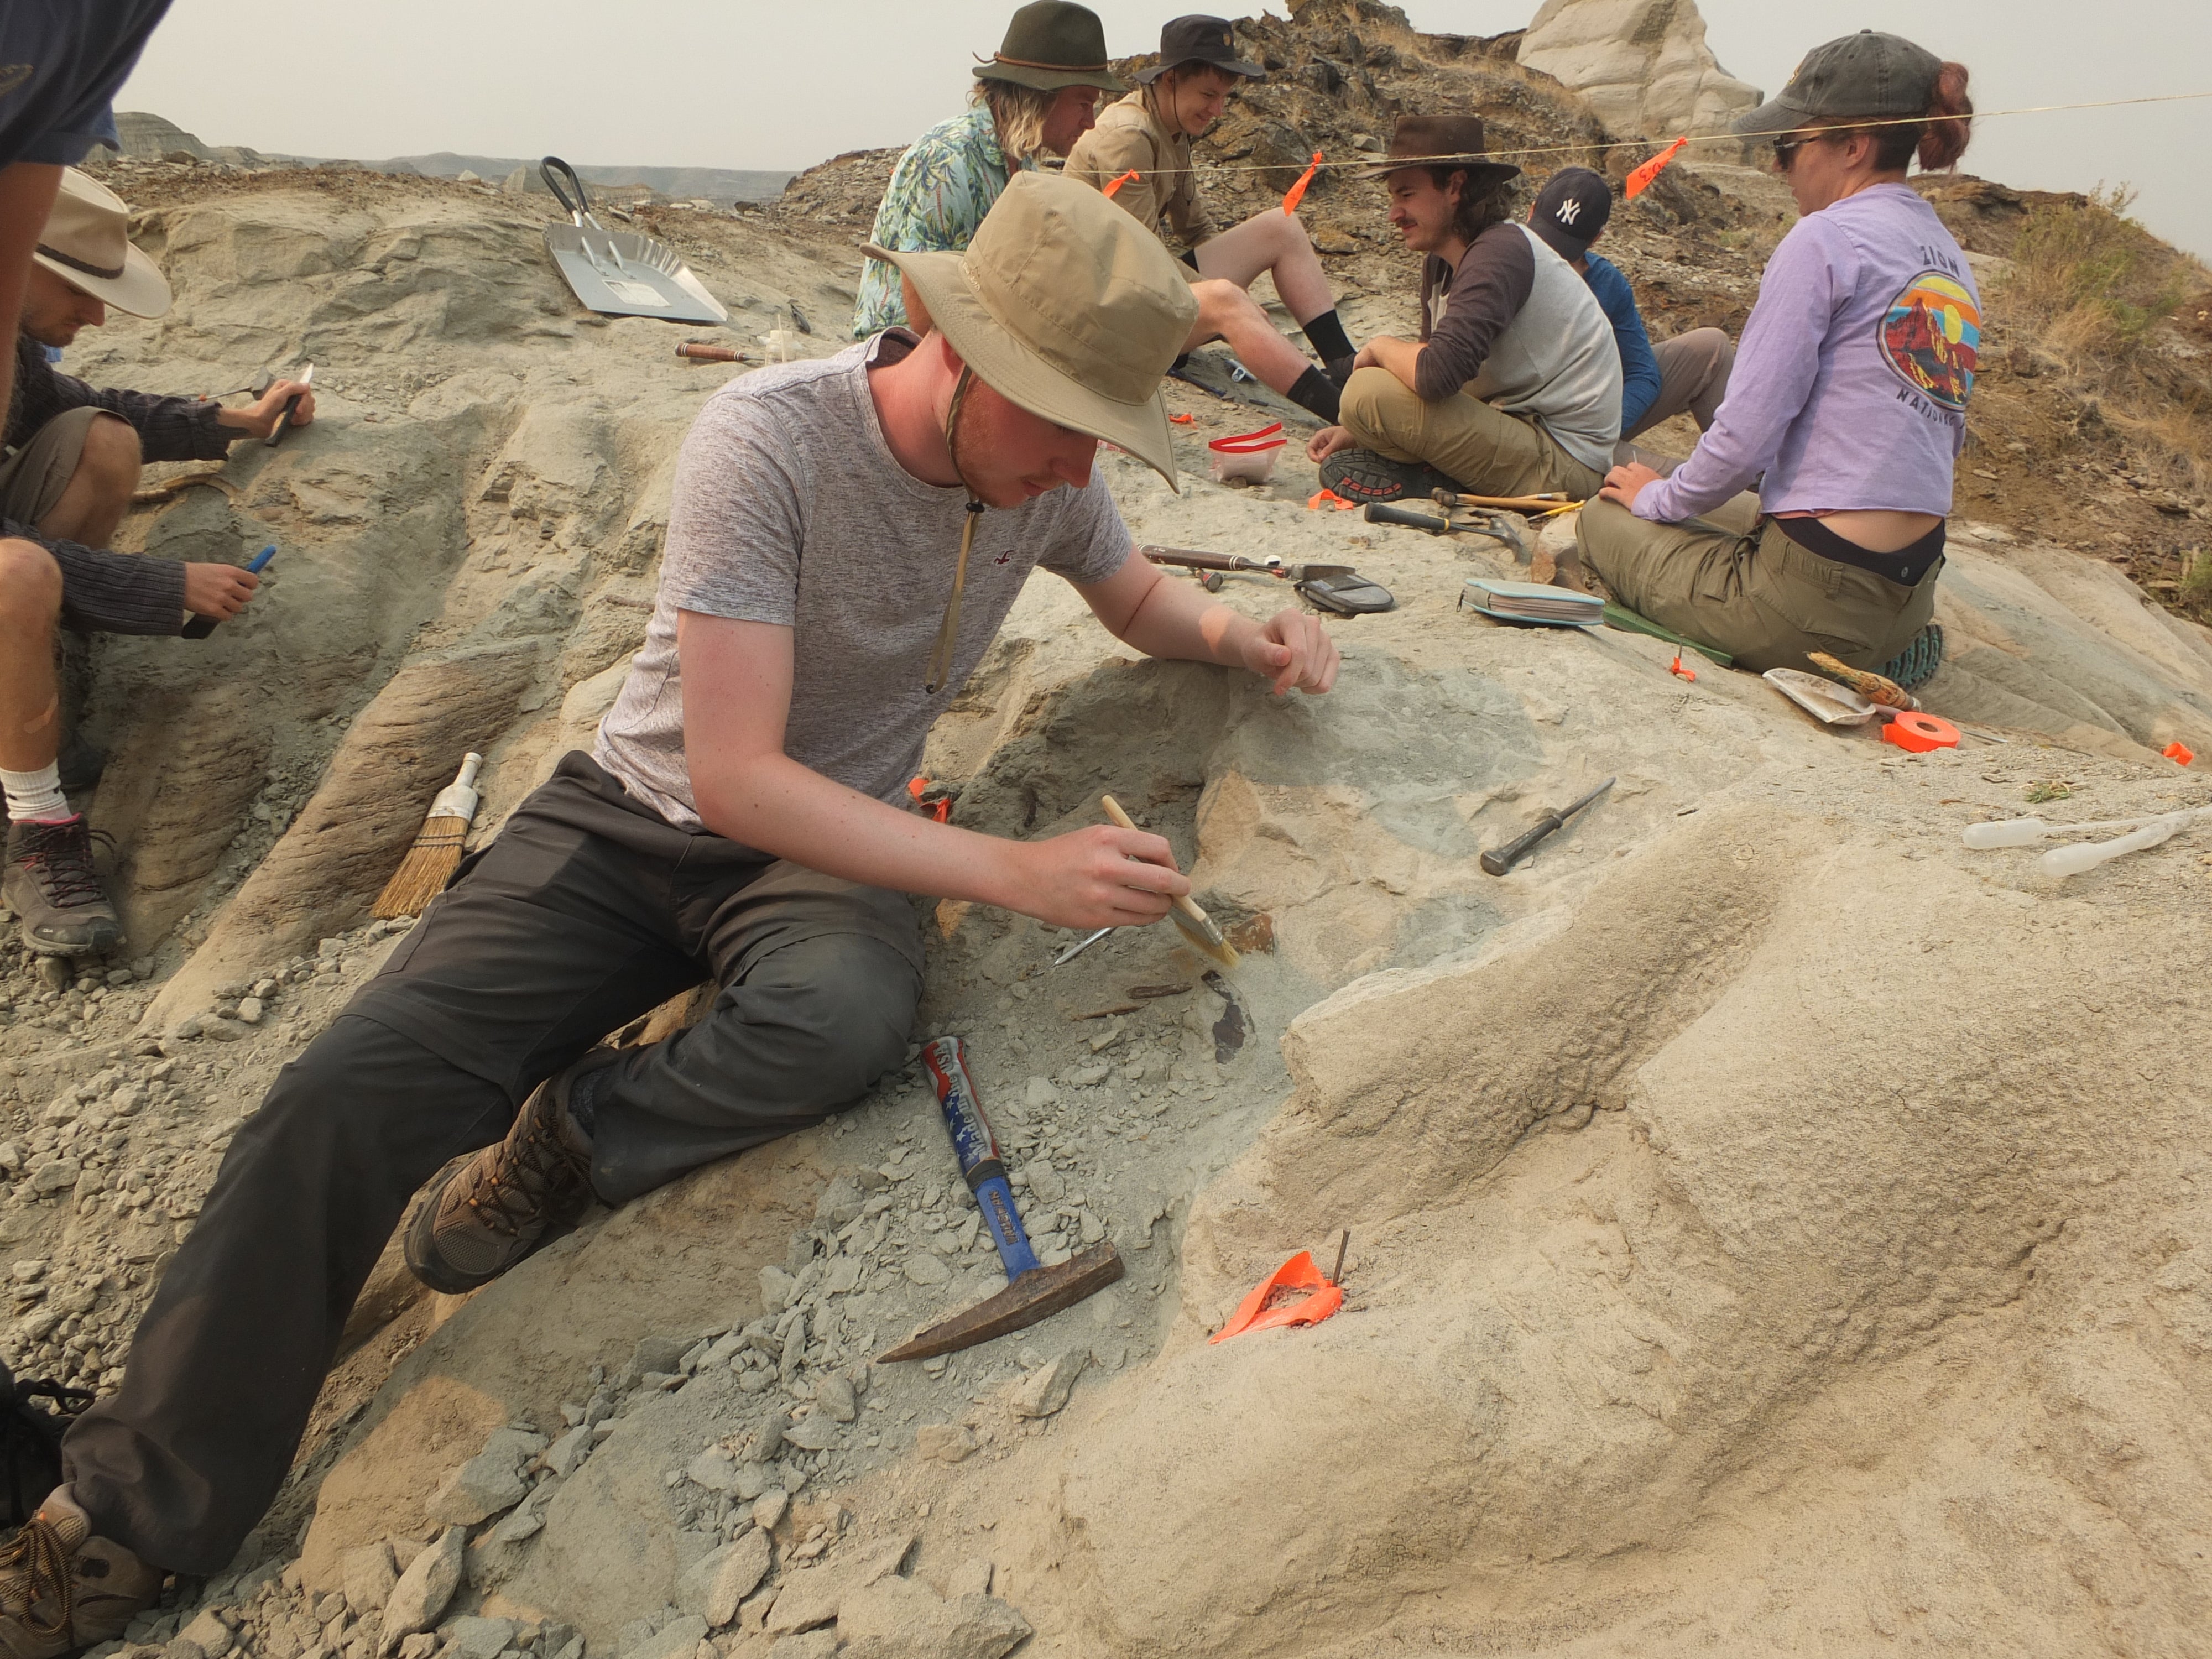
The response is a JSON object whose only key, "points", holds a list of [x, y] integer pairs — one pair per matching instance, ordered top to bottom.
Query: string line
{"points": [[1369, 159]]}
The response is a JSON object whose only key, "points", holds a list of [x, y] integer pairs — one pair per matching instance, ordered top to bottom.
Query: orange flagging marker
{"points": [[1640, 180], [1113, 185], [1296, 193], [2178, 752], [1296, 1293]]}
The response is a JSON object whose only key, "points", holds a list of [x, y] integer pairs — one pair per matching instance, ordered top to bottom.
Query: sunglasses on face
{"points": [[1785, 150]]}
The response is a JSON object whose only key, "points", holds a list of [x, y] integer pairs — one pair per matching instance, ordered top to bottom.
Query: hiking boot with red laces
{"points": [[1361, 475], [51, 885], [490, 1209], [62, 1589]]}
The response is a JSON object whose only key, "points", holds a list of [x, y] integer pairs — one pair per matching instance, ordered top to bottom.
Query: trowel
{"points": [[1033, 1291]]}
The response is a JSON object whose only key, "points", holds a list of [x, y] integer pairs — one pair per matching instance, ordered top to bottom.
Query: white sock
{"points": [[36, 795]]}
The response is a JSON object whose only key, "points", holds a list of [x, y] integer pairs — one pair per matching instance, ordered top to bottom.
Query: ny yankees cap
{"points": [[1571, 210]]}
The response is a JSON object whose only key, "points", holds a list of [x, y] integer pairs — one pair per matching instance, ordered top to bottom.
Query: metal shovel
{"points": [[618, 273]]}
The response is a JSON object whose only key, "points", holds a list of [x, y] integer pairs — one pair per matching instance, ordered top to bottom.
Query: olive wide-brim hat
{"points": [[1052, 44], [1441, 140], [86, 241], [1065, 305]]}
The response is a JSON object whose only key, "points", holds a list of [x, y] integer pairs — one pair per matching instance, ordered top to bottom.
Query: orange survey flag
{"points": [[1640, 180], [1113, 185], [1296, 193], [1296, 1293]]}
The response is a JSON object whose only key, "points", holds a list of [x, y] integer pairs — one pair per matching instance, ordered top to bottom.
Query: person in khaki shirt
{"points": [[1149, 133]]}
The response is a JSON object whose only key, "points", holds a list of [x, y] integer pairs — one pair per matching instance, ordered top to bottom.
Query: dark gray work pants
{"points": [[586, 911]]}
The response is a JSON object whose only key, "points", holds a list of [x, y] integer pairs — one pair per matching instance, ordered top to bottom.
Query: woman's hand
{"points": [[1325, 442], [1625, 483]]}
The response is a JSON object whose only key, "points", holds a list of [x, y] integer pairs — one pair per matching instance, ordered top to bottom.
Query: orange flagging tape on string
{"points": [[1640, 180], [1114, 184], [1296, 193], [1182, 420], [1322, 498], [1675, 667], [2178, 752], [940, 808], [1296, 1293]]}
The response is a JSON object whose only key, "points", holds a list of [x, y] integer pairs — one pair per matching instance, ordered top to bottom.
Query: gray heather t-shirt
{"points": [[789, 508]]}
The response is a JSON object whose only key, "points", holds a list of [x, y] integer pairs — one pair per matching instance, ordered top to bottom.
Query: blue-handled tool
{"points": [[200, 627], [1033, 1292]]}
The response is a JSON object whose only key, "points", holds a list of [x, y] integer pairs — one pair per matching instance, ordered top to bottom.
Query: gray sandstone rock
{"points": [[926, 1269], [1045, 1390], [834, 1395], [816, 1432], [943, 1443], [564, 1454], [714, 1469], [490, 1481], [770, 1508], [368, 1575], [971, 1578], [716, 1585], [424, 1588], [812, 1595], [901, 1618], [209, 1634], [473, 1638], [677, 1639], [807, 1644]]}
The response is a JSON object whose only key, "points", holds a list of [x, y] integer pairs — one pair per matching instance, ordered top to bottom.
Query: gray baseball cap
{"points": [[1868, 76]]}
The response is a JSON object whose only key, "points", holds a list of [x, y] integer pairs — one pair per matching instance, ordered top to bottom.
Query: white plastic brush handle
{"points": [[458, 799], [2087, 855]]}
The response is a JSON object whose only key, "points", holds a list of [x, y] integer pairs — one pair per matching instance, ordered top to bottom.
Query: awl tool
{"points": [[1504, 858], [1033, 1292]]}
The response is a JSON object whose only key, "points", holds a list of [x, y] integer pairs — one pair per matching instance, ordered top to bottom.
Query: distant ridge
{"points": [[148, 137]]}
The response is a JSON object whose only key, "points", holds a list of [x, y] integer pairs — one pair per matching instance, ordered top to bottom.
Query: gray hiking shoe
{"points": [[51, 885], [490, 1209], [62, 1589]]}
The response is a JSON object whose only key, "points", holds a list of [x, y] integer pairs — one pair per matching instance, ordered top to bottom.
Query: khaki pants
{"points": [[1693, 377], [1488, 452], [32, 479], [1754, 594]]}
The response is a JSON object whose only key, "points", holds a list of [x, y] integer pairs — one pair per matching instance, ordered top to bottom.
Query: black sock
{"points": [[1327, 336], [1316, 393], [583, 1105]]}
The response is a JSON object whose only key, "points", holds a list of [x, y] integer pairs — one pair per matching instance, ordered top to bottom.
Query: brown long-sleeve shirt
{"points": [[1163, 195]]}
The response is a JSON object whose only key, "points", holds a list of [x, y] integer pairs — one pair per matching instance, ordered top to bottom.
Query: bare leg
{"points": [[1275, 242], [1226, 312], [98, 494], [30, 610]]}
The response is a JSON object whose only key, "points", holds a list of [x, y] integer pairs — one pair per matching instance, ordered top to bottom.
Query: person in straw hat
{"points": [[1035, 96], [1149, 134], [1514, 387], [74, 453], [844, 539]]}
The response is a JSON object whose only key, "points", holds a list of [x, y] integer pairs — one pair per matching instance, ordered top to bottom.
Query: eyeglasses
{"points": [[1786, 149]]}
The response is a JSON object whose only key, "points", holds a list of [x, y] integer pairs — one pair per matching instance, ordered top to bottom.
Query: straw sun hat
{"points": [[86, 243]]}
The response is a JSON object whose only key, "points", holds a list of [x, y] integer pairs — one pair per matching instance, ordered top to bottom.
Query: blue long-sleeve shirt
{"points": [[1639, 368]]}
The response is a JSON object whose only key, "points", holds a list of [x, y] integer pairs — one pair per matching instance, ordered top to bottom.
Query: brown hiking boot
{"points": [[51, 885], [487, 1211], [62, 1589]]}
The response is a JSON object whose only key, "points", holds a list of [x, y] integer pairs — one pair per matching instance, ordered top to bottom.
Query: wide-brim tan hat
{"points": [[1441, 140], [86, 243], [1065, 305]]}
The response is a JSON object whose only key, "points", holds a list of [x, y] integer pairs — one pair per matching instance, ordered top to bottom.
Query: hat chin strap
{"points": [[948, 631]]}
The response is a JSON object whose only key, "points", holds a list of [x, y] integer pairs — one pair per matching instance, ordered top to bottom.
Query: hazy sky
{"points": [[741, 83]]}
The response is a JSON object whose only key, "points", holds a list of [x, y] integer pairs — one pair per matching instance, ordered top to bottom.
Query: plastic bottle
{"points": [[2087, 855]]}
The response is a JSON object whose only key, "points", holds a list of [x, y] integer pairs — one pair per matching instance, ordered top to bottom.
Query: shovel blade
{"points": [[1037, 1295]]}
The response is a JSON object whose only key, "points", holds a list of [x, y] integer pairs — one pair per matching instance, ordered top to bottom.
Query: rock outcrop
{"points": [[1643, 64]]}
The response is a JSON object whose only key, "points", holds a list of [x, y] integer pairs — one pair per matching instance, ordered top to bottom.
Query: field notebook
{"points": [[1533, 602]]}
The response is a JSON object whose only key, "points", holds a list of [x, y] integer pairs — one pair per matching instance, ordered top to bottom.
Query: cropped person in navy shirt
{"points": [[1686, 374], [1848, 407]]}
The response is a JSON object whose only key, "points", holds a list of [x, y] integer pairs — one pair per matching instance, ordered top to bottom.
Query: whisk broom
{"points": [[436, 853]]}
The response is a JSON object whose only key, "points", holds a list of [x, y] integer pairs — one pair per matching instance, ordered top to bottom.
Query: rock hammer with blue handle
{"points": [[1033, 1291]]}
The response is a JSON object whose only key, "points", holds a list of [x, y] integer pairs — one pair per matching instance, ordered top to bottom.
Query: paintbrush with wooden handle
{"points": [[1197, 927]]}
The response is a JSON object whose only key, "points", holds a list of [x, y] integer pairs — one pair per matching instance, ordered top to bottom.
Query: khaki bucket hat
{"points": [[86, 243], [1065, 305]]}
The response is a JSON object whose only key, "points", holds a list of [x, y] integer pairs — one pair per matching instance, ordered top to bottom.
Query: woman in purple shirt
{"points": [[1847, 407]]}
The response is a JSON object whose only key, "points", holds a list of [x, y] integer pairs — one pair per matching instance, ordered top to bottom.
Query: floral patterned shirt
{"points": [[938, 196]]}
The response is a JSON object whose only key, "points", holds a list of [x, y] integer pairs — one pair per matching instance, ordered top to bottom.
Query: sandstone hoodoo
{"points": [[1757, 1183]]}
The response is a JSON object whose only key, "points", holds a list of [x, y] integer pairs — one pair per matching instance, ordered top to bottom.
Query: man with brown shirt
{"points": [[1149, 134]]}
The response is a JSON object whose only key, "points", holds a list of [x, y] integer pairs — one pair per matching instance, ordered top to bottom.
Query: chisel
{"points": [[1504, 858]]}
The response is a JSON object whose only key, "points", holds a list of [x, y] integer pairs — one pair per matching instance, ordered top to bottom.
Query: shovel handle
{"points": [[546, 169], [700, 352], [1380, 513]]}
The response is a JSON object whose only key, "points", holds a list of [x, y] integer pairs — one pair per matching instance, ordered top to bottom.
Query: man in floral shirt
{"points": [[1037, 95]]}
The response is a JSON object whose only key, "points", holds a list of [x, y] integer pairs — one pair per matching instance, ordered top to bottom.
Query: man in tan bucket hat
{"points": [[74, 453], [745, 817]]}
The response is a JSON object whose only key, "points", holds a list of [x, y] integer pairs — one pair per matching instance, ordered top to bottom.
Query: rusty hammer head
{"points": [[1037, 1294]]}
